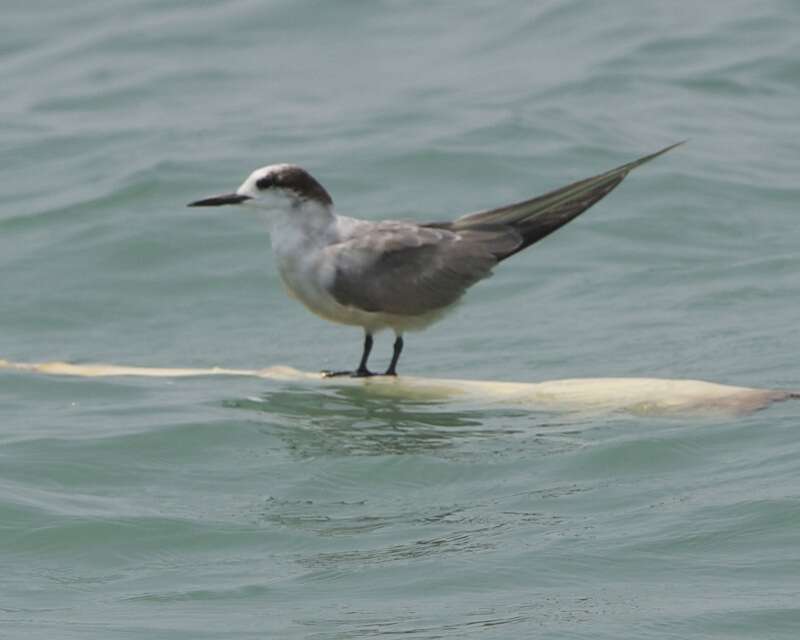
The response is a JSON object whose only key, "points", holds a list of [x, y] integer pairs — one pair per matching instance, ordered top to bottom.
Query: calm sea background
{"points": [[242, 508]]}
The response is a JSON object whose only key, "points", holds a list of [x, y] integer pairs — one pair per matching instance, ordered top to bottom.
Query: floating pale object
{"points": [[637, 395]]}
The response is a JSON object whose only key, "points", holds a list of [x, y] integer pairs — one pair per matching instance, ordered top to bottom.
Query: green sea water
{"points": [[233, 508]]}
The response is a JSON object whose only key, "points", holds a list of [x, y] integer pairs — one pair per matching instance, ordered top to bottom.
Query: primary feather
{"points": [[539, 217]]}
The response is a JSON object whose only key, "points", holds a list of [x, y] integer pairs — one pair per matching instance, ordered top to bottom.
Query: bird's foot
{"points": [[359, 373]]}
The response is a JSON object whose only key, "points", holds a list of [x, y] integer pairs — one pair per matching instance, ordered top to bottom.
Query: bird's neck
{"points": [[301, 229]]}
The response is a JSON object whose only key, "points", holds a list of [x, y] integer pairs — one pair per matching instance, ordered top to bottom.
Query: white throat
{"points": [[300, 228], [300, 234]]}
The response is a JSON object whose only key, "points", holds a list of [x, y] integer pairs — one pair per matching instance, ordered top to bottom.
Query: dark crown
{"points": [[297, 180]]}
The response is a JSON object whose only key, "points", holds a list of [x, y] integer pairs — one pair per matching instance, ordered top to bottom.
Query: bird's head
{"points": [[277, 186]]}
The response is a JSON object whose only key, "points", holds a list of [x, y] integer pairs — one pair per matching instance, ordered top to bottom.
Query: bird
{"points": [[392, 274]]}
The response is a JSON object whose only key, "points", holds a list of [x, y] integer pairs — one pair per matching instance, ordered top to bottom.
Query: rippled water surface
{"points": [[244, 508]]}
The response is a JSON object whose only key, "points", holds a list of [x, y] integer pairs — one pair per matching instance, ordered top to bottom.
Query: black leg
{"points": [[398, 347], [362, 371]]}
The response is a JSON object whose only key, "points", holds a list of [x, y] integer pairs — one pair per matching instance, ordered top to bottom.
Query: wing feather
{"points": [[540, 216], [405, 269], [409, 269]]}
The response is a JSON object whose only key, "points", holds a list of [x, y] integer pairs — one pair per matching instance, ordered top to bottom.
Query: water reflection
{"points": [[352, 421]]}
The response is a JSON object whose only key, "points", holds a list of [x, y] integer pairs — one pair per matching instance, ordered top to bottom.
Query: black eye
{"points": [[266, 182]]}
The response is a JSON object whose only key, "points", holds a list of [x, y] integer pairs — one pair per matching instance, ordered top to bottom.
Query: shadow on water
{"points": [[351, 421]]}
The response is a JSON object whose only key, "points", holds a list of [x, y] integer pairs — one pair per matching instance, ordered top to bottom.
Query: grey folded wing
{"points": [[406, 269]]}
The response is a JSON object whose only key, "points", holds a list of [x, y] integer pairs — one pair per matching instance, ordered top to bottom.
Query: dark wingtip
{"points": [[669, 148], [652, 156]]}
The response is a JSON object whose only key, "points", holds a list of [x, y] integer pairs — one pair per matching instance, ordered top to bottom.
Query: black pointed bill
{"points": [[218, 201]]}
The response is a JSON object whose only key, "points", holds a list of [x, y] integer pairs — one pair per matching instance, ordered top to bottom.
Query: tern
{"points": [[391, 274]]}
